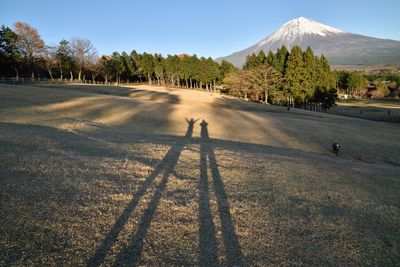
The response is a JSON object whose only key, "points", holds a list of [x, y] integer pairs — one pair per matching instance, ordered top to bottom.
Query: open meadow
{"points": [[378, 110], [100, 176]]}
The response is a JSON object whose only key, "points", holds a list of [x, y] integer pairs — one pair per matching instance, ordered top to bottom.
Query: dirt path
{"points": [[121, 176]]}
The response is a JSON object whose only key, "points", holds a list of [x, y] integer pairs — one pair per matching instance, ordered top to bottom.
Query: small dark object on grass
{"points": [[335, 148]]}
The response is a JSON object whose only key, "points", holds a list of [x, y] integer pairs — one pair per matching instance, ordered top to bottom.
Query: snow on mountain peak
{"points": [[297, 28]]}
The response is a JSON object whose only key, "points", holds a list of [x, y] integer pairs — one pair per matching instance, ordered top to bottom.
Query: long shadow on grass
{"points": [[207, 239], [132, 253]]}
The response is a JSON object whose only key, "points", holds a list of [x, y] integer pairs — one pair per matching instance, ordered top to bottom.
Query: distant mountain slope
{"points": [[341, 48]]}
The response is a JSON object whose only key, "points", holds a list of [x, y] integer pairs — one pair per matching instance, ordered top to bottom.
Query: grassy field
{"points": [[378, 110], [99, 176]]}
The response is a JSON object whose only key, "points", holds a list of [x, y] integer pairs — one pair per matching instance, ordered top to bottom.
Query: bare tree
{"points": [[29, 43], [84, 53], [50, 59], [95, 68], [266, 79], [240, 82]]}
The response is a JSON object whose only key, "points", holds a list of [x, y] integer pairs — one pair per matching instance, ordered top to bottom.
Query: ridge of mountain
{"points": [[340, 47]]}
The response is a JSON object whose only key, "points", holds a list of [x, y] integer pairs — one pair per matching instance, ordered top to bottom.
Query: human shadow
{"points": [[207, 238], [131, 254]]}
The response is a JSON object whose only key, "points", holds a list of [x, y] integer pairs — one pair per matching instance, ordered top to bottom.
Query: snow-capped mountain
{"points": [[298, 28], [340, 47]]}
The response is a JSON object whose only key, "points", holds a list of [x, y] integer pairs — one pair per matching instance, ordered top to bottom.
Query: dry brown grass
{"points": [[376, 110], [115, 176]]}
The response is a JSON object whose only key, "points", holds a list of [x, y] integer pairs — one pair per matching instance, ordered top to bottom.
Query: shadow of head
{"points": [[204, 129]]}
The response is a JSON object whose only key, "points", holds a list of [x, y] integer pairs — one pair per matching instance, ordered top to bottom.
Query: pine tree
{"points": [[282, 55], [10, 56], [64, 58], [261, 58], [272, 60], [251, 62], [147, 64], [128, 66], [106, 67], [118, 67], [159, 68], [172, 68], [225, 68], [184, 69], [193, 69], [212, 73], [310, 73], [294, 74], [325, 77], [356, 82]]}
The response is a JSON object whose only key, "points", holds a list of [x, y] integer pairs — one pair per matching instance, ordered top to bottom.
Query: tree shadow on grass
{"points": [[132, 253]]}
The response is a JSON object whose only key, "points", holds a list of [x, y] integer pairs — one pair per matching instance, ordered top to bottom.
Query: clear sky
{"points": [[204, 27]]}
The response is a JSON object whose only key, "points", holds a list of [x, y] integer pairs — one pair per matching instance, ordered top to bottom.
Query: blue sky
{"points": [[206, 28]]}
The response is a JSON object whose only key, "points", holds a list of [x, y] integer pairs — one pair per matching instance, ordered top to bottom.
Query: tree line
{"points": [[24, 54], [181, 70], [294, 77], [356, 83]]}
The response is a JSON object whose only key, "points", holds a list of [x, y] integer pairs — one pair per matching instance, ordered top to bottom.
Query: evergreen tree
{"points": [[282, 55], [10, 56], [261, 58], [64, 59], [136, 60], [272, 60], [251, 62], [147, 64], [128, 66], [106, 67], [118, 67], [159, 68], [172, 68], [225, 68], [193, 69], [186, 70], [310, 72], [212, 73], [294, 74], [325, 75], [342, 78], [356, 82], [324, 96]]}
